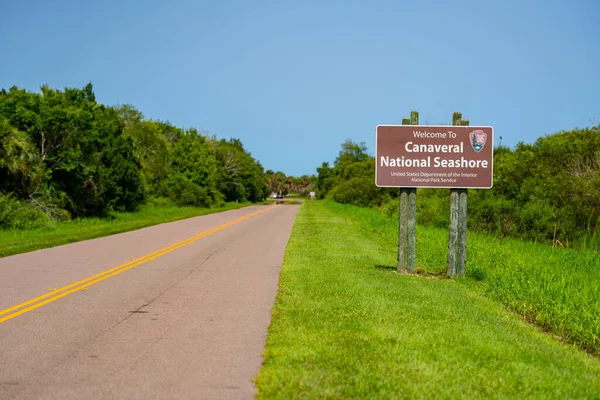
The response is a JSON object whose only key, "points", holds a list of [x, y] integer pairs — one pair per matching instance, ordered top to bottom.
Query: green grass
{"points": [[21, 241], [590, 241], [557, 289], [345, 325]]}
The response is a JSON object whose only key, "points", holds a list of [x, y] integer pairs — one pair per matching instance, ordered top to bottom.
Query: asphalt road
{"points": [[112, 318]]}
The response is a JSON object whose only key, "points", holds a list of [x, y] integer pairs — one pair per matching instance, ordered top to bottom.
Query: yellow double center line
{"points": [[56, 294]]}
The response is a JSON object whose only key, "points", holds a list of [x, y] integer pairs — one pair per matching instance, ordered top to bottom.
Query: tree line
{"points": [[64, 155], [279, 182], [548, 190]]}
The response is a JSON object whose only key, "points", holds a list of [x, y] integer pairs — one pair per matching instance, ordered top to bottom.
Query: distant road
{"points": [[174, 311]]}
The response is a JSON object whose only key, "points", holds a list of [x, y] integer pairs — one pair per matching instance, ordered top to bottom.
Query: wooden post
{"points": [[414, 118], [463, 195], [412, 216], [403, 224], [407, 225], [457, 227], [402, 230], [412, 231], [462, 231], [452, 233]]}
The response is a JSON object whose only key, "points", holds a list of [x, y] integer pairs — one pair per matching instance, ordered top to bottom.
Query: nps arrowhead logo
{"points": [[478, 139]]}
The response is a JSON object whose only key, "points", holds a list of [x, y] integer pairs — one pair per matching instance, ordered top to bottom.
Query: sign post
{"points": [[434, 156], [412, 215], [407, 224], [457, 226]]}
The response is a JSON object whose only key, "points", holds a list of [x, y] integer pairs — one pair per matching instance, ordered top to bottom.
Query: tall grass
{"points": [[590, 241], [558, 289]]}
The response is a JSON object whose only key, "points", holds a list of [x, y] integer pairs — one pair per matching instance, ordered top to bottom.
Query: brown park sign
{"points": [[434, 156]]}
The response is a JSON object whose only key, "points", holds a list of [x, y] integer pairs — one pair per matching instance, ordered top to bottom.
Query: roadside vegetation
{"points": [[65, 156], [73, 169], [545, 192], [533, 239], [16, 241], [554, 288], [346, 325]]}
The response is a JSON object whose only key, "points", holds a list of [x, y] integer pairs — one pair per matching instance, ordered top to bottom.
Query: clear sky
{"points": [[294, 79]]}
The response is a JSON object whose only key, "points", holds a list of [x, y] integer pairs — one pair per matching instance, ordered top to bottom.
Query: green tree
{"points": [[70, 134], [152, 149], [61, 150], [19, 167], [241, 176], [192, 179], [325, 179]]}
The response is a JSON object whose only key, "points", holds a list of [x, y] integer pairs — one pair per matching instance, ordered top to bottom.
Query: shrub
{"points": [[182, 191], [360, 192], [160, 202], [391, 208], [433, 209], [15, 214], [494, 215], [536, 220]]}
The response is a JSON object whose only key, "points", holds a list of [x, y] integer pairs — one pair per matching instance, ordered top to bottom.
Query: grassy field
{"points": [[21, 241], [557, 289], [345, 325]]}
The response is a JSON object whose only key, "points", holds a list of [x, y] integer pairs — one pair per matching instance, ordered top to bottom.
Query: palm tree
{"points": [[13, 149], [19, 163], [290, 184]]}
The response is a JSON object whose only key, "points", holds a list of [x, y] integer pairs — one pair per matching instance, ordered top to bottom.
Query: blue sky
{"points": [[294, 79]]}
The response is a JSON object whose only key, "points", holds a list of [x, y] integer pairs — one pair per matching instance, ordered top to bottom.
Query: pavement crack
{"points": [[182, 278], [139, 310], [130, 314]]}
